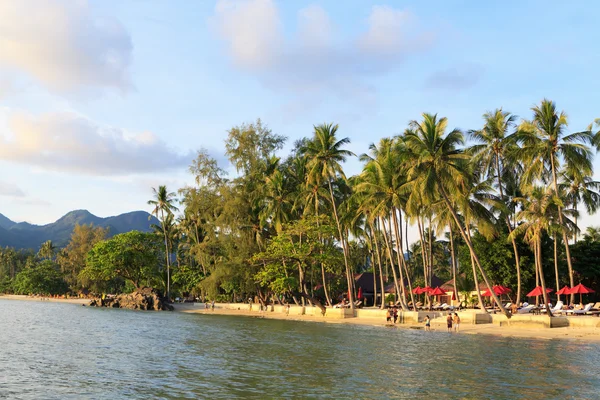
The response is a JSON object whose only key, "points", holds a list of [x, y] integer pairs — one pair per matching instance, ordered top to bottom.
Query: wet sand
{"points": [[72, 300]]}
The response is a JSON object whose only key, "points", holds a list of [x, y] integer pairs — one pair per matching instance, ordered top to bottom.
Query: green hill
{"points": [[24, 235]]}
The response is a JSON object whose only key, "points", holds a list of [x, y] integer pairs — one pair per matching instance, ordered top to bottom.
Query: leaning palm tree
{"points": [[495, 142], [545, 146], [325, 156], [439, 167], [164, 206]]}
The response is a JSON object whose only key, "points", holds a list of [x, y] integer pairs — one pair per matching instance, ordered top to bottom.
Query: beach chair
{"points": [[557, 307], [596, 307], [526, 309], [582, 311]]}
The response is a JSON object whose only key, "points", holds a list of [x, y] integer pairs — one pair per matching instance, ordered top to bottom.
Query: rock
{"points": [[142, 299]]}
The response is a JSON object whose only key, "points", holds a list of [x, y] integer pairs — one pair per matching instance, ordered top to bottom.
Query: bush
{"points": [[43, 278]]}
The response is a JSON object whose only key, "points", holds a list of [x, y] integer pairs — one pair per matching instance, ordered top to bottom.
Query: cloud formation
{"points": [[63, 45], [317, 56], [72, 143], [10, 190]]}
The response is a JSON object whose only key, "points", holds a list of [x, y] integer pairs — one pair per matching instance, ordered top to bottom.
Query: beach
{"points": [[579, 333]]}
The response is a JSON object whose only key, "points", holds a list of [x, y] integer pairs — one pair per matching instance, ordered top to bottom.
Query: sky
{"points": [[102, 100]]}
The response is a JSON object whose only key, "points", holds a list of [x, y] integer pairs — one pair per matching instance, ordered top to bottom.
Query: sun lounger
{"points": [[526, 309], [583, 311]]}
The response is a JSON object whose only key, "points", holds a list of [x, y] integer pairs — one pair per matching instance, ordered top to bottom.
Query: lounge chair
{"points": [[526, 309], [583, 311]]}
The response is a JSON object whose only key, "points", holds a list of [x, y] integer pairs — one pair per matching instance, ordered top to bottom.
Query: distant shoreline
{"points": [[583, 334]]}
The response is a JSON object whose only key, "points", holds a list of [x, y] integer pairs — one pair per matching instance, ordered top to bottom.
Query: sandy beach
{"points": [[569, 333], [586, 334]]}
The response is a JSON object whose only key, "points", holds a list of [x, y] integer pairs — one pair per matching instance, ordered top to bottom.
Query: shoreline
{"points": [[580, 334]]}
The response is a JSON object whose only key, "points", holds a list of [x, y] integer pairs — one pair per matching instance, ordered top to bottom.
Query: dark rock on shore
{"points": [[142, 299]]}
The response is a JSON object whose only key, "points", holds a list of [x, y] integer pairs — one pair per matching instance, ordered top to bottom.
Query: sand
{"points": [[569, 333], [585, 334]]}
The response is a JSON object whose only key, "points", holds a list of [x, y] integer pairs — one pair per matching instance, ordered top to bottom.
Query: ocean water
{"points": [[64, 351]]}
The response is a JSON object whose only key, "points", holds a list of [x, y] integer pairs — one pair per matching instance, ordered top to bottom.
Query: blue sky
{"points": [[102, 100]]}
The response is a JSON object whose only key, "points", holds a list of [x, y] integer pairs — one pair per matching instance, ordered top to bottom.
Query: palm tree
{"points": [[496, 141], [545, 145], [325, 155], [438, 166], [580, 188], [164, 206], [539, 210], [592, 234], [47, 250]]}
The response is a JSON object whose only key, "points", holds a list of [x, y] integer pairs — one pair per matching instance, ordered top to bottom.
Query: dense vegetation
{"points": [[504, 209]]}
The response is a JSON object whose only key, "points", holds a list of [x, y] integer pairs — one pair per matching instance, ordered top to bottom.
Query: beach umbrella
{"points": [[427, 289], [581, 289], [418, 290], [500, 290], [564, 290], [438, 291], [538, 291], [359, 296]]}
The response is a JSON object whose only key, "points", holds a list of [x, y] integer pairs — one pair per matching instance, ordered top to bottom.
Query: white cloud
{"points": [[64, 45], [317, 57], [69, 142], [10, 190]]}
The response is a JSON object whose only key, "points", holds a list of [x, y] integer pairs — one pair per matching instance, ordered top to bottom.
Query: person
{"points": [[212, 305], [514, 308], [287, 309], [395, 314], [388, 316], [449, 322], [456, 322], [427, 323]]}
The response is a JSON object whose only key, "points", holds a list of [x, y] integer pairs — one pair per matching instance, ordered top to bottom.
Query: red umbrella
{"points": [[427, 289], [581, 289], [418, 290], [500, 290], [564, 290], [538, 291], [437, 292], [487, 293], [359, 296]]}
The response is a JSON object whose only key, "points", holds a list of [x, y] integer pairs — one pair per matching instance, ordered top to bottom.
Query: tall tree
{"points": [[546, 145], [325, 157], [439, 166], [164, 205]]}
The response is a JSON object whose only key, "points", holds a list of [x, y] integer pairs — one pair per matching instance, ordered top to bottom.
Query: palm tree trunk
{"points": [[162, 216], [509, 226], [564, 231], [472, 250], [391, 258], [400, 258], [453, 261], [556, 262], [379, 263], [404, 264], [322, 266], [349, 278], [476, 278], [542, 279]]}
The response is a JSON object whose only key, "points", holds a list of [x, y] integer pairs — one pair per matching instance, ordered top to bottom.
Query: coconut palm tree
{"points": [[496, 140], [546, 145], [325, 156], [439, 167], [579, 188], [164, 206], [592, 234], [47, 250]]}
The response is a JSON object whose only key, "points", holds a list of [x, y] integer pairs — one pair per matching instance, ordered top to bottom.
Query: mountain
{"points": [[5, 222], [24, 235]]}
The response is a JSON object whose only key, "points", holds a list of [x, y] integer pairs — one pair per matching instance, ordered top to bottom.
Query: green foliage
{"points": [[133, 256], [43, 278]]}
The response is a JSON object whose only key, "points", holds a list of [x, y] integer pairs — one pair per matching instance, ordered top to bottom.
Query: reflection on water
{"points": [[61, 351]]}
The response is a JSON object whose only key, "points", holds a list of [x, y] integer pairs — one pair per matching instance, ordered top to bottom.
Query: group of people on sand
{"points": [[452, 321]]}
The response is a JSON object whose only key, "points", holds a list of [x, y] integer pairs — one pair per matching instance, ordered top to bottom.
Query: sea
{"points": [[66, 351]]}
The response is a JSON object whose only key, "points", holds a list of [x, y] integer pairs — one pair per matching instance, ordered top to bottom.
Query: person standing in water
{"points": [[449, 322], [456, 322], [427, 323]]}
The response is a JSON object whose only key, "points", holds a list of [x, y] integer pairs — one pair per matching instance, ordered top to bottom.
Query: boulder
{"points": [[142, 299]]}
